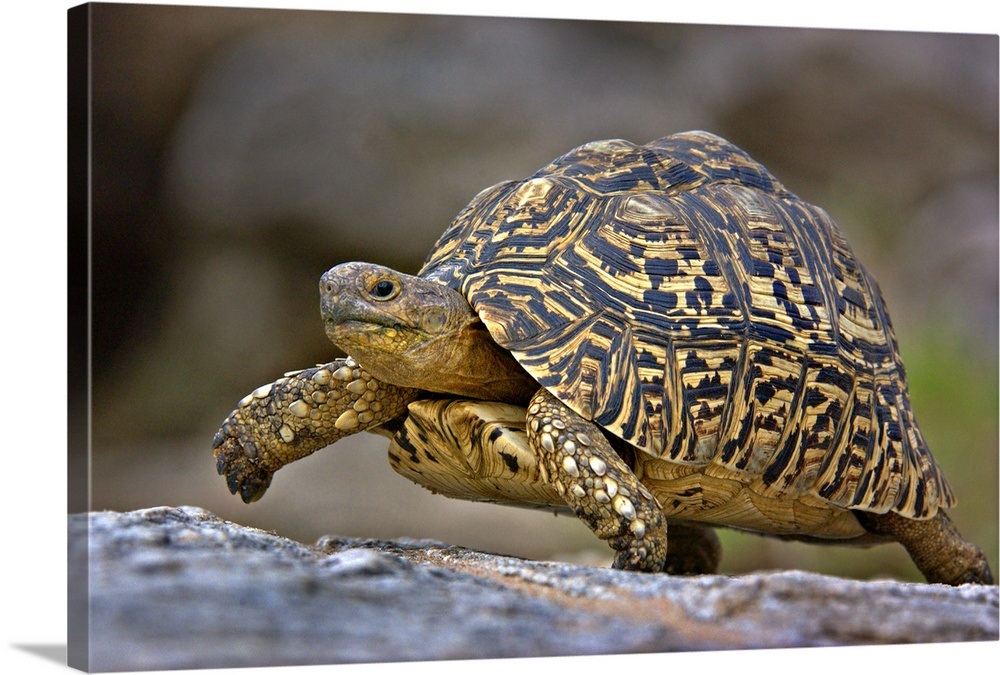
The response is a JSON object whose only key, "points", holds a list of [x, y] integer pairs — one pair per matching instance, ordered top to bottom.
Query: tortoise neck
{"points": [[468, 363]]}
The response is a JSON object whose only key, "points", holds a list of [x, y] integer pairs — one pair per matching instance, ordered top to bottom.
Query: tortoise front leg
{"points": [[297, 415], [479, 451], [586, 471]]}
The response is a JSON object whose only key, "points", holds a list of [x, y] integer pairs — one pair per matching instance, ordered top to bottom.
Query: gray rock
{"points": [[180, 588]]}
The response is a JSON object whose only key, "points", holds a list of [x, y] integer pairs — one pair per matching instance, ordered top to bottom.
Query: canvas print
{"points": [[372, 296]]}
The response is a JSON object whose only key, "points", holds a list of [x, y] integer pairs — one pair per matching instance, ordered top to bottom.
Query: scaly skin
{"points": [[297, 415], [479, 450], [597, 484], [937, 548]]}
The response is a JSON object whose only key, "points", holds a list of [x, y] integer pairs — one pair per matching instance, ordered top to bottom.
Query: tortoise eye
{"points": [[384, 290]]}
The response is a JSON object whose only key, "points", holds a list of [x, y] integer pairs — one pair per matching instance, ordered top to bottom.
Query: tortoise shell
{"points": [[683, 299]]}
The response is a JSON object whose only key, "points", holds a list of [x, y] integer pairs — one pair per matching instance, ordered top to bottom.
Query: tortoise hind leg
{"points": [[935, 545], [692, 548]]}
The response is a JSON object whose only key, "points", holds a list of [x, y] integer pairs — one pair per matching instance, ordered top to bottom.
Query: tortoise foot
{"points": [[237, 458], [935, 545], [639, 555]]}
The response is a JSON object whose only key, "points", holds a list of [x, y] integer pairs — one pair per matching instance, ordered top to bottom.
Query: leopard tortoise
{"points": [[640, 335]]}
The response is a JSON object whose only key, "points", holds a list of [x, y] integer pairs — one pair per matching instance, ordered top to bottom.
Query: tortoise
{"points": [[660, 339]]}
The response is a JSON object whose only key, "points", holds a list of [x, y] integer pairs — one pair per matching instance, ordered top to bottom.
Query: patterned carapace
{"points": [[679, 296]]}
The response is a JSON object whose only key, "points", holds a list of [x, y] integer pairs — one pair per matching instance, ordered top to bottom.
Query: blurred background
{"points": [[238, 154]]}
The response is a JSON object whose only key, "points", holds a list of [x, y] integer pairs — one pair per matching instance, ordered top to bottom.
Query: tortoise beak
{"points": [[339, 301], [338, 310]]}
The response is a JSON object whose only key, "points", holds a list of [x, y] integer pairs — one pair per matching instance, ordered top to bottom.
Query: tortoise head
{"points": [[413, 332]]}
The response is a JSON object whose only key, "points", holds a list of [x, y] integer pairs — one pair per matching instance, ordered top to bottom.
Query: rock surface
{"points": [[181, 588]]}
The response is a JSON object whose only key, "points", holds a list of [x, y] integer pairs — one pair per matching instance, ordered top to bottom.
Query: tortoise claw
{"points": [[221, 435], [220, 464], [252, 491]]}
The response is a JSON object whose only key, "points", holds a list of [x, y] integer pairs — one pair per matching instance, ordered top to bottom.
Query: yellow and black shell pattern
{"points": [[680, 297]]}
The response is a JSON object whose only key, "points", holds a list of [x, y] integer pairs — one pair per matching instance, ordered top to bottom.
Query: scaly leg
{"points": [[297, 415], [479, 451], [600, 487], [935, 545]]}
